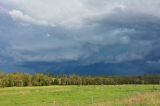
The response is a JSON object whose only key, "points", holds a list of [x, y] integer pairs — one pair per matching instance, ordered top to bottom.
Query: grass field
{"points": [[123, 95]]}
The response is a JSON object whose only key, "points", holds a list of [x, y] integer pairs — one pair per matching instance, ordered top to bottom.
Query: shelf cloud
{"points": [[86, 31]]}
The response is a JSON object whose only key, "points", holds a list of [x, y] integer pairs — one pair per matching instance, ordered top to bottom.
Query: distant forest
{"points": [[23, 79]]}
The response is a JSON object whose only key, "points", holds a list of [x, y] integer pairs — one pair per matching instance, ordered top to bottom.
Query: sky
{"points": [[84, 31]]}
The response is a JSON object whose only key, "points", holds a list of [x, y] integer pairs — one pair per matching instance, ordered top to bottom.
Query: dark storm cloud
{"points": [[83, 30]]}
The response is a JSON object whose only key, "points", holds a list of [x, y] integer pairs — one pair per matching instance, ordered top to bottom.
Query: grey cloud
{"points": [[107, 31]]}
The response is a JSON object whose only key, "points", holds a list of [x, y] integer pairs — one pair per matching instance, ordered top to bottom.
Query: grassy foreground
{"points": [[104, 95]]}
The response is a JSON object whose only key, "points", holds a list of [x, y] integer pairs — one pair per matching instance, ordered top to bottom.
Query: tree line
{"points": [[23, 79]]}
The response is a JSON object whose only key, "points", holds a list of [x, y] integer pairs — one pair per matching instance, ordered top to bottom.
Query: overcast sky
{"points": [[90, 31]]}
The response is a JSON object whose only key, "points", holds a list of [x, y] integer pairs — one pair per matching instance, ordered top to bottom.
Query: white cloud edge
{"points": [[18, 15]]}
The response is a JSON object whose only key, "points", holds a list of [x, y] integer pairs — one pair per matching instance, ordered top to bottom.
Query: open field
{"points": [[104, 95]]}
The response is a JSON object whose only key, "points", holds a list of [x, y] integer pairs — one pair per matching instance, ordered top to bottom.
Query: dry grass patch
{"points": [[140, 99], [145, 99]]}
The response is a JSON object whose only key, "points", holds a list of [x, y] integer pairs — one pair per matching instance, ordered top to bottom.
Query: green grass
{"points": [[123, 95]]}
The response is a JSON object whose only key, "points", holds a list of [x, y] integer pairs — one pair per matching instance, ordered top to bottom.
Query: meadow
{"points": [[93, 95]]}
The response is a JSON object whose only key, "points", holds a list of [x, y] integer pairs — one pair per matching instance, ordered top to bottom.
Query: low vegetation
{"points": [[17, 89], [92, 95]]}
